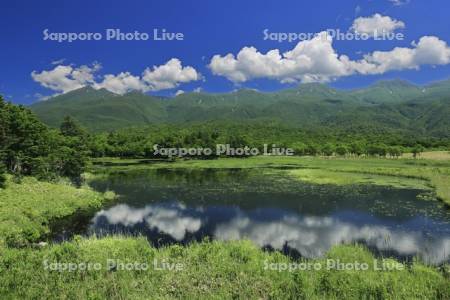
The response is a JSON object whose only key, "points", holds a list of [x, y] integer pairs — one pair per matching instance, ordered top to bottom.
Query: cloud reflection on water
{"points": [[170, 220], [311, 236]]}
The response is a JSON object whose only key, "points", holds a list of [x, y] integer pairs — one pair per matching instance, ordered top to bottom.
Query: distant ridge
{"points": [[387, 104]]}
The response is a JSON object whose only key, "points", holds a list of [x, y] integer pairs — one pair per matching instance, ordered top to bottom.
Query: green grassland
{"points": [[28, 209], [207, 270]]}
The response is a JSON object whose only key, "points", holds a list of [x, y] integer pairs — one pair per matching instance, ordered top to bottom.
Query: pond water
{"points": [[276, 211]]}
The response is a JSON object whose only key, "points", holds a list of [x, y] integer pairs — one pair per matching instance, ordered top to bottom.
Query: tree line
{"points": [[139, 142], [29, 147]]}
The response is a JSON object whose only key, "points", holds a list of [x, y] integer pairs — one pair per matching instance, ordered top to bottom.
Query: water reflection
{"points": [[179, 206], [173, 221], [310, 236], [313, 236]]}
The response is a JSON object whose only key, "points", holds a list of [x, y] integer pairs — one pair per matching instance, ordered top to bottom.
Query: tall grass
{"points": [[29, 208], [209, 270]]}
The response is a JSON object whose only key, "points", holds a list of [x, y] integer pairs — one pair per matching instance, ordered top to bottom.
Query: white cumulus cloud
{"points": [[376, 25], [430, 50], [310, 60], [316, 60], [169, 75], [65, 78], [121, 83]]}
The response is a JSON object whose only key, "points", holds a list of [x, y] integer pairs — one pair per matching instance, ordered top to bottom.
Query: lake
{"points": [[273, 209]]}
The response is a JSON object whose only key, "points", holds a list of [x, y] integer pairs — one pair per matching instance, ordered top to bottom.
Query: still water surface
{"points": [[274, 210]]}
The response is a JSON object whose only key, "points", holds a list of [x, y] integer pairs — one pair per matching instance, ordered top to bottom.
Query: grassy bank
{"points": [[406, 172], [28, 209], [208, 270]]}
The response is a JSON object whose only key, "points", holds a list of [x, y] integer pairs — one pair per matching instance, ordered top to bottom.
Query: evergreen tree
{"points": [[70, 127], [2, 175]]}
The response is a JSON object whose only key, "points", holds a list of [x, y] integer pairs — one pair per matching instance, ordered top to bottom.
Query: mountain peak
{"points": [[394, 83], [88, 89], [316, 89], [245, 91], [83, 93]]}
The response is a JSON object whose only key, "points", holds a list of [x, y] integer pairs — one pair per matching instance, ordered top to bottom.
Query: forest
{"points": [[29, 147]]}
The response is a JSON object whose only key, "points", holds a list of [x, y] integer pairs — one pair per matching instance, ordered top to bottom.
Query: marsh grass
{"points": [[408, 173], [323, 176], [29, 208], [211, 270]]}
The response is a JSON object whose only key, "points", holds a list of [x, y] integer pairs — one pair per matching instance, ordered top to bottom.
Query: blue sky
{"points": [[214, 28]]}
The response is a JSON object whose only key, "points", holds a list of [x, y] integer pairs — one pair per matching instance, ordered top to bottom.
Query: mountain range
{"points": [[393, 104]]}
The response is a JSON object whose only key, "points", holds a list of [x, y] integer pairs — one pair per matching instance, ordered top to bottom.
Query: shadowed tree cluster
{"points": [[139, 142], [28, 147]]}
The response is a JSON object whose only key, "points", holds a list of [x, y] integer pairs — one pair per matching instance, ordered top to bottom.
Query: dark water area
{"points": [[272, 209]]}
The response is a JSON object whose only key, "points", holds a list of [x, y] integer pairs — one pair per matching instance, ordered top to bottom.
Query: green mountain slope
{"points": [[392, 91], [391, 104], [101, 109]]}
